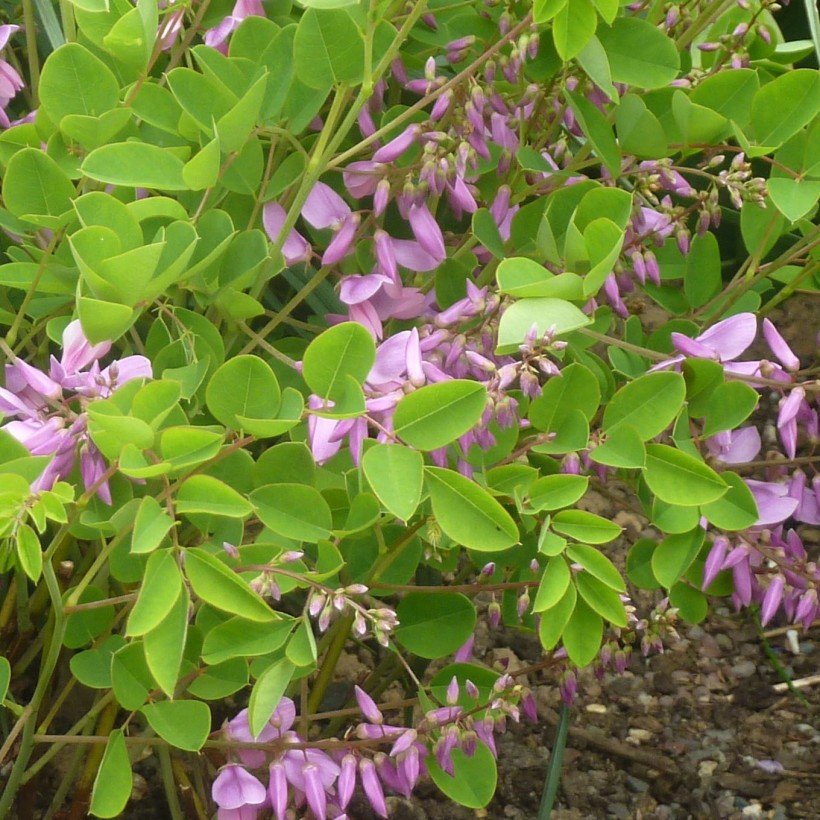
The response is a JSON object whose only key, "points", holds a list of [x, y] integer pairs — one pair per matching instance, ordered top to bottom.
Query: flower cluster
{"points": [[10, 80], [49, 409]]}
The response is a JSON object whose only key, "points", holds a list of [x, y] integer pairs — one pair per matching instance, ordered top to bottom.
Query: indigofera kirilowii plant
{"points": [[335, 329]]}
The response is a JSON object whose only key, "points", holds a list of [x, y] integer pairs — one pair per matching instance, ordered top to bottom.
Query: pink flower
{"points": [[217, 36], [234, 787]]}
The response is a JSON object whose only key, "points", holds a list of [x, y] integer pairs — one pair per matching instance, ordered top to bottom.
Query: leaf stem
{"points": [[555, 766]]}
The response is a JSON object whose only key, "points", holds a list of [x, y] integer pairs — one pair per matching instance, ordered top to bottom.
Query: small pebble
{"points": [[743, 669], [596, 708], [639, 735], [707, 768], [636, 785]]}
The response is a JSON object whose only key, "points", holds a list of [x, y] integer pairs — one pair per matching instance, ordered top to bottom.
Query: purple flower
{"points": [[217, 36], [10, 80], [398, 145], [324, 208], [427, 231], [295, 247], [778, 346], [48, 422], [735, 446], [773, 502], [772, 599], [234, 788]]}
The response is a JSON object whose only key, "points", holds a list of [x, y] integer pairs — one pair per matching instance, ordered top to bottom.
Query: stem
{"points": [[31, 48], [341, 631], [29, 716], [555, 766], [170, 783]]}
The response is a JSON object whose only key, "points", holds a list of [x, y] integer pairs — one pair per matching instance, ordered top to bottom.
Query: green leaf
{"points": [[573, 27], [328, 48], [639, 54], [592, 58], [74, 81], [730, 93], [783, 106], [696, 124], [598, 130], [639, 130], [135, 165], [202, 170], [34, 184], [794, 198], [486, 232], [702, 276], [523, 278], [546, 314], [344, 350], [243, 386], [575, 389], [649, 404], [728, 407], [435, 415], [622, 447], [396, 475], [679, 478], [555, 491], [209, 495], [737, 510], [294, 511], [469, 514], [671, 518], [151, 525], [585, 526], [29, 552], [674, 555], [597, 564], [639, 564], [215, 584], [161, 586], [553, 586], [601, 599], [691, 603], [554, 620], [432, 625], [582, 634], [239, 638], [165, 643], [301, 649], [5, 677], [130, 677], [219, 681], [267, 692], [185, 724], [474, 778], [114, 781]]}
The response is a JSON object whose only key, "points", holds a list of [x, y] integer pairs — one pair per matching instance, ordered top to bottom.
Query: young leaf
{"points": [[206, 494], [597, 564], [555, 619]]}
